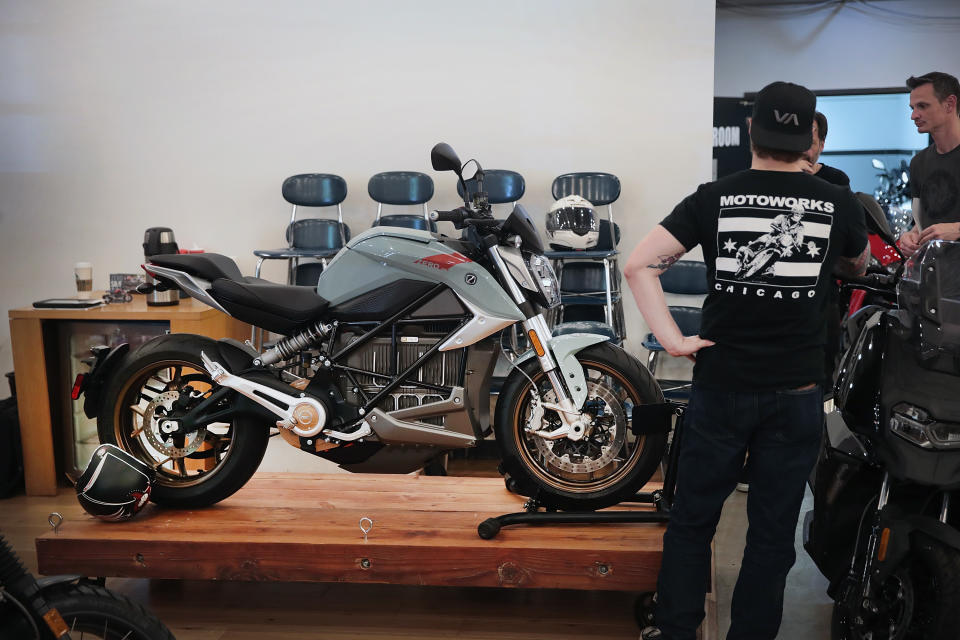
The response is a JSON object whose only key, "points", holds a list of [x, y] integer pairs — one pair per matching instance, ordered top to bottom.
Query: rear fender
{"points": [[235, 355], [94, 382]]}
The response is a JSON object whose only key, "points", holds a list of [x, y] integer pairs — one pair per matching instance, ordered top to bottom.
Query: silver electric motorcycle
{"points": [[384, 366]]}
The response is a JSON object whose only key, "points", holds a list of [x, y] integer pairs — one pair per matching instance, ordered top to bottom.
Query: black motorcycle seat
{"points": [[208, 266], [280, 308]]}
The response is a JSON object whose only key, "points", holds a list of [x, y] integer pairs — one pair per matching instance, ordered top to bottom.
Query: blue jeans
{"points": [[781, 431]]}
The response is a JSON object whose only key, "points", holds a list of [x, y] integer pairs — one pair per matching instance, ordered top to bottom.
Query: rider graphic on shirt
{"points": [[785, 235]]}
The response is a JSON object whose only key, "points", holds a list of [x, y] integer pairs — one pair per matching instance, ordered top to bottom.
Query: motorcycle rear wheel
{"points": [[209, 464], [609, 465], [930, 582]]}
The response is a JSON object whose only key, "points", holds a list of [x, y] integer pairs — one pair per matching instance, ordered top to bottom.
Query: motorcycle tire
{"points": [[127, 393], [548, 470], [931, 573], [94, 612]]}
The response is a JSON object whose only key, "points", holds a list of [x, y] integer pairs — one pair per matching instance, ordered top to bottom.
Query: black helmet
{"points": [[115, 485]]}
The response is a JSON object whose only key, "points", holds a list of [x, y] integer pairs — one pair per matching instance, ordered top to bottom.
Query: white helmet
{"points": [[572, 223]]}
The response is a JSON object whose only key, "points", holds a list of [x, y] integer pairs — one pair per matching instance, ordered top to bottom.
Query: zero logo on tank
{"points": [[443, 261]]}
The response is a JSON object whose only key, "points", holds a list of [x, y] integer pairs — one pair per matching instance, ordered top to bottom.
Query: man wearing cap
{"points": [[812, 155], [935, 171], [759, 358]]}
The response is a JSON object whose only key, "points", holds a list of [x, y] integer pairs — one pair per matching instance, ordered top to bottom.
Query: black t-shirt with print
{"points": [[833, 175], [935, 179], [770, 240]]}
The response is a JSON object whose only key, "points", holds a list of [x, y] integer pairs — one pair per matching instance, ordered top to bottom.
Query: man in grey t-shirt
{"points": [[935, 171]]}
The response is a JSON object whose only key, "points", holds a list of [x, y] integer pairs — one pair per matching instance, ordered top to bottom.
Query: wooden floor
{"points": [[424, 533]]}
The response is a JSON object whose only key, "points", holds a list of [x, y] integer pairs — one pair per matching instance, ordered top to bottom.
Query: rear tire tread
{"points": [[249, 439]]}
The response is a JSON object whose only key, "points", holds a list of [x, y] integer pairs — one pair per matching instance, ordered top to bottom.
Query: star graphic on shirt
{"points": [[730, 245], [812, 250]]}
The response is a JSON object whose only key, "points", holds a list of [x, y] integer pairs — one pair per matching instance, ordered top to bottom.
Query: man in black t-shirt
{"points": [[812, 155], [935, 171], [835, 311], [758, 360]]}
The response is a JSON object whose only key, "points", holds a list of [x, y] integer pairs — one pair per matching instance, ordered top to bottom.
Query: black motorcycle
{"points": [[882, 530], [67, 607]]}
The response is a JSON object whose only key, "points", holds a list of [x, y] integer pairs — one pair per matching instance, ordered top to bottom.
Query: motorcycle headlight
{"points": [[547, 283], [915, 425]]}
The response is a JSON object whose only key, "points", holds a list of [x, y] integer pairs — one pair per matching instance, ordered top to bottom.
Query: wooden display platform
{"points": [[305, 527]]}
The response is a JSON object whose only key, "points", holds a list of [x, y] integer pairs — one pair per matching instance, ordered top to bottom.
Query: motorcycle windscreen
{"points": [[520, 223], [930, 293]]}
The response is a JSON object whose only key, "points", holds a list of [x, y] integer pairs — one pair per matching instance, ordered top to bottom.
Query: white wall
{"points": [[849, 47], [119, 115]]}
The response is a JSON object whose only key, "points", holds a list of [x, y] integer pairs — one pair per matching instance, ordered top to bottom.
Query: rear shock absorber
{"points": [[289, 346]]}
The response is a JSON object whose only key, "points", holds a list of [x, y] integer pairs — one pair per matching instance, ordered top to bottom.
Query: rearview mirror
{"points": [[444, 158]]}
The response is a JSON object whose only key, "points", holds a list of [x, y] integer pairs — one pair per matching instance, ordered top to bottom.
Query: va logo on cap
{"points": [[786, 118]]}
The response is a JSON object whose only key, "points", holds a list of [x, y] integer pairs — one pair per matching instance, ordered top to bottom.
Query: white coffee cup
{"points": [[83, 274]]}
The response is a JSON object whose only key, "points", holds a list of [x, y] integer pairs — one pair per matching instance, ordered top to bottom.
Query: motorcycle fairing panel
{"points": [[376, 258]]}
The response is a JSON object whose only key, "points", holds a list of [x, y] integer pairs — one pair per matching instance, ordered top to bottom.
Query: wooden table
{"points": [[33, 355], [306, 527], [284, 529]]}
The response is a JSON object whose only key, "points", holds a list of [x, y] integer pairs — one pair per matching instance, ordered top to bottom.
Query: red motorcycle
{"points": [[884, 253]]}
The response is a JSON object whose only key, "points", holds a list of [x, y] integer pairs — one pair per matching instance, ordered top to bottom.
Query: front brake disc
{"points": [[557, 453]]}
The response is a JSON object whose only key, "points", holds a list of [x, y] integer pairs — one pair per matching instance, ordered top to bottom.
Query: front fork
{"points": [[573, 424], [875, 540], [876, 551]]}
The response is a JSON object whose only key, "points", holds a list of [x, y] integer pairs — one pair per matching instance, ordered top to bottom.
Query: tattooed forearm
{"points": [[666, 261], [853, 266]]}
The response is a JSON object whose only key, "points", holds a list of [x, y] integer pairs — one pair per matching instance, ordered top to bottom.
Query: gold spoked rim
{"points": [[179, 461], [557, 463]]}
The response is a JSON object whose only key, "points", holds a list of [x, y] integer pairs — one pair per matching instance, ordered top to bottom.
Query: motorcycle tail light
{"points": [[77, 386]]}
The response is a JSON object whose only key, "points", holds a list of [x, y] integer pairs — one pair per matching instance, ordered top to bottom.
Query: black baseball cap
{"points": [[783, 117]]}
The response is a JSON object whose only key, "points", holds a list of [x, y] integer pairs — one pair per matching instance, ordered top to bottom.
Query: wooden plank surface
{"points": [[136, 309], [305, 527]]}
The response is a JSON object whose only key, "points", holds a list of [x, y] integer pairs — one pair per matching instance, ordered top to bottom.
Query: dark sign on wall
{"points": [[731, 137]]}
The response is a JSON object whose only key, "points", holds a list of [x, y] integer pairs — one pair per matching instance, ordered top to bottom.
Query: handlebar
{"points": [[457, 216], [460, 217], [872, 280], [881, 284]]}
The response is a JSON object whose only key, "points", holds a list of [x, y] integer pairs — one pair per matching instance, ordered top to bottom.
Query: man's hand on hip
{"points": [[688, 347]]}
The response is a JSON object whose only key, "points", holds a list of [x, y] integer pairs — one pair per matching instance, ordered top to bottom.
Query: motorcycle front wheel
{"points": [[159, 381], [610, 464], [920, 600], [95, 613]]}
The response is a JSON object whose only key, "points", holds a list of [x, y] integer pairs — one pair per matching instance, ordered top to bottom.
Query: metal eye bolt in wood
{"points": [[55, 520], [366, 524]]}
